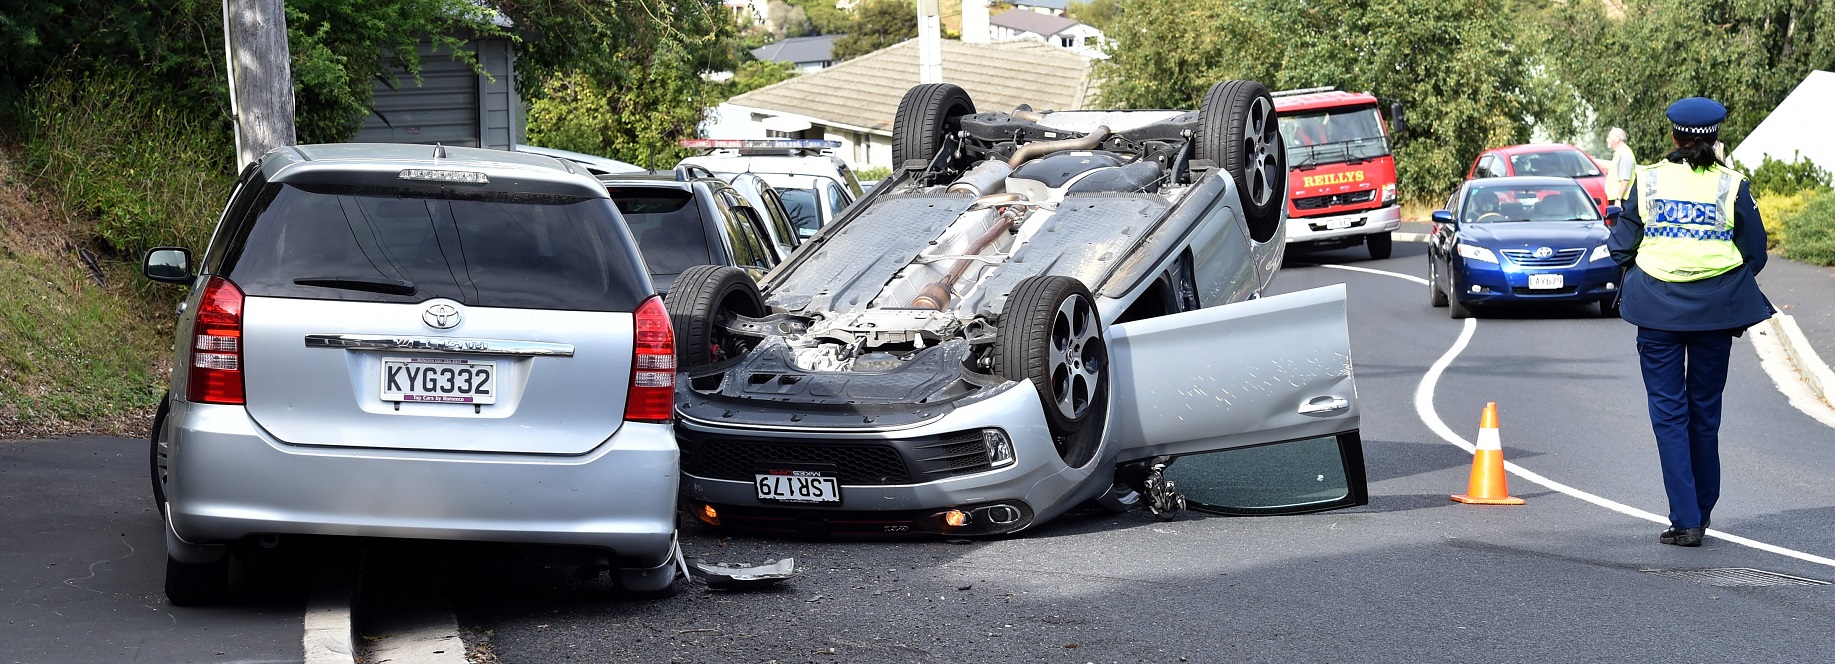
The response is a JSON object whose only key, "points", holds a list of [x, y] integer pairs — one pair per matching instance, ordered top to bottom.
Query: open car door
{"points": [[1254, 403]]}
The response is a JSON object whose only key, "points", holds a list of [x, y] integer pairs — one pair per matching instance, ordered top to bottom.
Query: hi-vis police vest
{"points": [[1688, 221]]}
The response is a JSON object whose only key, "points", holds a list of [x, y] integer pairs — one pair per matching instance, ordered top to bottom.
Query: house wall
{"points": [[451, 104], [860, 149]]}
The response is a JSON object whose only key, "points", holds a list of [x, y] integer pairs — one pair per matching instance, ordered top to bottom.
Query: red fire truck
{"points": [[1341, 174]]}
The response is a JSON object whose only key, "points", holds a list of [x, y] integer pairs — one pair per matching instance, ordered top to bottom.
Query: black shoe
{"points": [[1681, 536]]}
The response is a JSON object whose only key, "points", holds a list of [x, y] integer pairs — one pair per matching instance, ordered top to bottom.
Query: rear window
{"points": [[1559, 163], [805, 210], [667, 225], [519, 251]]}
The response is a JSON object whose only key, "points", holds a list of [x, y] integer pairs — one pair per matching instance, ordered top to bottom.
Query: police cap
{"points": [[1696, 115]]}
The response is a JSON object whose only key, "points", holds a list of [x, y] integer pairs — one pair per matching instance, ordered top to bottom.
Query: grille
{"points": [[1334, 200], [1562, 258], [1565, 290], [955, 454], [860, 464], [1736, 577]]}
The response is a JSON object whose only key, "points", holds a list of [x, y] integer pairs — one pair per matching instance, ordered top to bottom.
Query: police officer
{"points": [[1692, 243]]}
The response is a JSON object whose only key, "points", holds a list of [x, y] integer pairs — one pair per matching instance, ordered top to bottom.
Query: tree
{"points": [[1099, 14], [824, 15], [787, 20], [876, 25], [1457, 64], [754, 74]]}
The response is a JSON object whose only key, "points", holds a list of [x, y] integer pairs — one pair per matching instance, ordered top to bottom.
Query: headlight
{"points": [[1389, 193], [1476, 253], [1600, 253], [999, 446]]}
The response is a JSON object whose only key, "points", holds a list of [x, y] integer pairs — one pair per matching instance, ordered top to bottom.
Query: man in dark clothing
{"points": [[1693, 243]]}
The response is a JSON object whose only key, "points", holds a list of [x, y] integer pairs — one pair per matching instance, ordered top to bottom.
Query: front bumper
{"points": [[1356, 224], [1480, 282], [230, 479], [1037, 485]]}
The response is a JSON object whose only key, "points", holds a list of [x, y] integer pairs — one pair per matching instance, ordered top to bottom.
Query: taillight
{"points": [[216, 346], [652, 396]]}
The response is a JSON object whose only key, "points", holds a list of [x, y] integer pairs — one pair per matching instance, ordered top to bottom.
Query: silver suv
{"points": [[417, 342]]}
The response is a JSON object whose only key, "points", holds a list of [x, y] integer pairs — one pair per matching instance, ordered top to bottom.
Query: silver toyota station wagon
{"points": [[409, 341]]}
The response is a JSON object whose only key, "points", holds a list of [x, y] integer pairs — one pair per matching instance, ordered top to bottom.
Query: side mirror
{"points": [[1396, 121], [1442, 216], [171, 265]]}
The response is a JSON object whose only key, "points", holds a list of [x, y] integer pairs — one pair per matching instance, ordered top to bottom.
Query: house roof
{"points": [[1059, 5], [1031, 21], [819, 48], [864, 92], [1797, 128]]}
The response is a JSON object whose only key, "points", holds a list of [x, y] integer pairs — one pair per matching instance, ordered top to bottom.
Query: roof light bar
{"points": [[1302, 91], [755, 143], [435, 175]]}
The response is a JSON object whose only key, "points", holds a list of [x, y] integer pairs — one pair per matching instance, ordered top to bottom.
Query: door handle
{"points": [[1327, 405]]}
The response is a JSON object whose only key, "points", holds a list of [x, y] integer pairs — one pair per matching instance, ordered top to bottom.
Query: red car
{"points": [[1544, 159]]}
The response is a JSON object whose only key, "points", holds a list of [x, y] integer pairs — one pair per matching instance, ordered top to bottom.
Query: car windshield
{"points": [[1330, 137], [1558, 163], [1526, 203], [803, 206], [667, 225], [521, 251]]}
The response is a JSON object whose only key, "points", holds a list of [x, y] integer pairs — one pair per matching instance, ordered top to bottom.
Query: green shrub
{"points": [[146, 173], [873, 173], [1785, 177], [1775, 208], [1809, 235]]}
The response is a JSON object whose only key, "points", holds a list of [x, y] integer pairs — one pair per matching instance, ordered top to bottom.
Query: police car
{"points": [[815, 186]]}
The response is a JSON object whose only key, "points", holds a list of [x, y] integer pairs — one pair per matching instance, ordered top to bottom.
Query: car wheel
{"points": [[926, 114], [1237, 130], [1380, 245], [1435, 296], [697, 304], [1608, 308], [1458, 309], [1050, 334], [160, 453], [197, 584]]}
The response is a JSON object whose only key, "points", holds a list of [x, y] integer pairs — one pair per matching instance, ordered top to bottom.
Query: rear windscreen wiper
{"points": [[373, 285]]}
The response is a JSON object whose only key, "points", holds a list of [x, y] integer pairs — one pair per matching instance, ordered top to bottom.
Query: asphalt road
{"points": [[1411, 577]]}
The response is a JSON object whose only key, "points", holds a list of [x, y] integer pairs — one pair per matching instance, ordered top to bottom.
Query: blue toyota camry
{"points": [[1520, 239]]}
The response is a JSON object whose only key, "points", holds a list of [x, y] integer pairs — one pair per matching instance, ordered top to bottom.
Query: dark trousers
{"points": [[1684, 375]]}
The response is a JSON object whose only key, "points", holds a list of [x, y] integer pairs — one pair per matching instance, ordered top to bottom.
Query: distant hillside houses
{"points": [[1025, 23]]}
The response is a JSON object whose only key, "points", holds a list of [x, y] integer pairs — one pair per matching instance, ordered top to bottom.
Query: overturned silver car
{"points": [[1038, 309]]}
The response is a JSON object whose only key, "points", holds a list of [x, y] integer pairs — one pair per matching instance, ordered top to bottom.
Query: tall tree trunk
{"points": [[261, 80]]}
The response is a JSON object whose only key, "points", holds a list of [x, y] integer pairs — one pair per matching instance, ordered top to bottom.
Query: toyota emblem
{"points": [[1541, 252], [441, 316]]}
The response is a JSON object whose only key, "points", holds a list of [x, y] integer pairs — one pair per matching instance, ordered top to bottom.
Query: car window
{"points": [[1559, 163], [1483, 169], [1497, 169], [853, 184], [250, 188], [837, 200], [1528, 203], [803, 207], [779, 218], [667, 225], [748, 226], [494, 249]]}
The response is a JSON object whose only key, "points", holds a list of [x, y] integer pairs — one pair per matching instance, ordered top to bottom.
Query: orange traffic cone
{"points": [[1487, 484]]}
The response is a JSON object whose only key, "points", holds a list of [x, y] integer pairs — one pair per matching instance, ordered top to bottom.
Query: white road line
{"points": [[1424, 408]]}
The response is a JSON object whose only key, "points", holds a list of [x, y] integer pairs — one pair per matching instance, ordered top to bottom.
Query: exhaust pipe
{"points": [[1031, 151], [988, 177], [936, 295]]}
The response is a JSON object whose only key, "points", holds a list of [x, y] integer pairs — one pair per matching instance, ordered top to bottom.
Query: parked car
{"points": [[1545, 160], [593, 164], [815, 186], [770, 205], [689, 217], [1520, 239], [1054, 308], [416, 342]]}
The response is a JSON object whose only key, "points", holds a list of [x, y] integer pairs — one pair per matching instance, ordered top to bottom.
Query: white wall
{"points": [[859, 149]]}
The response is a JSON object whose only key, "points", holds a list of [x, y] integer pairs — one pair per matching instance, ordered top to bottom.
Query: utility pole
{"points": [[930, 42], [260, 77]]}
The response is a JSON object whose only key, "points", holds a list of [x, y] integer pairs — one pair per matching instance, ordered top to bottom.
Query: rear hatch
{"points": [[667, 224], [433, 320]]}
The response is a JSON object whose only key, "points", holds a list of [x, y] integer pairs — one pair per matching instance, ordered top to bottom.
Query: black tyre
{"points": [[926, 114], [1237, 129], [1380, 245], [1435, 296], [699, 302], [1458, 310], [1050, 334], [159, 453], [197, 584]]}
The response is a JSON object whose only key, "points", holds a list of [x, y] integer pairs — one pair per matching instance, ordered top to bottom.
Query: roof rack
{"points": [[1303, 91]]}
